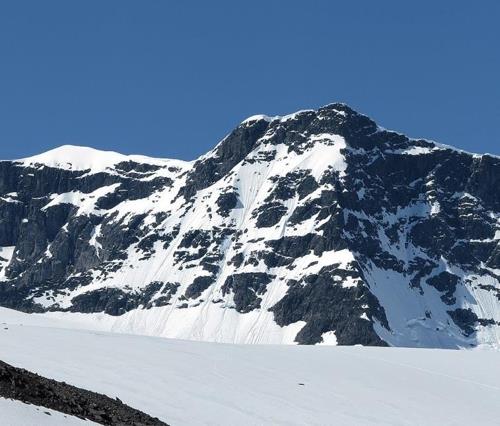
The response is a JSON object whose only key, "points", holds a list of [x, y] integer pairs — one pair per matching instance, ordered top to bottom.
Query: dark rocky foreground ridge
{"points": [[318, 226], [22, 385]]}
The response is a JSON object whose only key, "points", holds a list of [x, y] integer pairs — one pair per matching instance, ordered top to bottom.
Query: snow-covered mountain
{"points": [[315, 227]]}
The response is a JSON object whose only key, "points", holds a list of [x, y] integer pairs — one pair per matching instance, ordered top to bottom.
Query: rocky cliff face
{"points": [[317, 227]]}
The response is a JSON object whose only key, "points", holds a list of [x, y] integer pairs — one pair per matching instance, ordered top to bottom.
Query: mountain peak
{"points": [[338, 107]]}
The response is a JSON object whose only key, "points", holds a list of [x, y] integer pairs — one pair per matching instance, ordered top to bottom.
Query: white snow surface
{"points": [[79, 158], [198, 383], [16, 413]]}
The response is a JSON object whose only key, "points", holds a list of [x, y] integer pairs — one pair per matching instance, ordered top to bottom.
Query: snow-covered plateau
{"points": [[199, 383]]}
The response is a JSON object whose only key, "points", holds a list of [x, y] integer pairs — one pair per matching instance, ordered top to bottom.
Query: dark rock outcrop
{"points": [[30, 388]]}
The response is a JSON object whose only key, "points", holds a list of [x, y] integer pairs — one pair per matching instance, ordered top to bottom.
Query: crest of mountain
{"points": [[319, 227]]}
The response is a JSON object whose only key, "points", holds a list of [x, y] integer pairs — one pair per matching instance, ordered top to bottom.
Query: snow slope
{"points": [[195, 383], [15, 413]]}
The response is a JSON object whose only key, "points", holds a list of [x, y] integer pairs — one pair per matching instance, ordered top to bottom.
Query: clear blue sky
{"points": [[170, 79]]}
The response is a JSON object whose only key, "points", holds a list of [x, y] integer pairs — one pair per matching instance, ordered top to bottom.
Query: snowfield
{"points": [[196, 383], [14, 413]]}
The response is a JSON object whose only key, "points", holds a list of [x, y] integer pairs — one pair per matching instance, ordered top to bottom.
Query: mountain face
{"points": [[316, 227]]}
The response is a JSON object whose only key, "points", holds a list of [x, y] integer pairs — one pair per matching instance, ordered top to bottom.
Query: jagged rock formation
{"points": [[314, 227], [22, 385]]}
